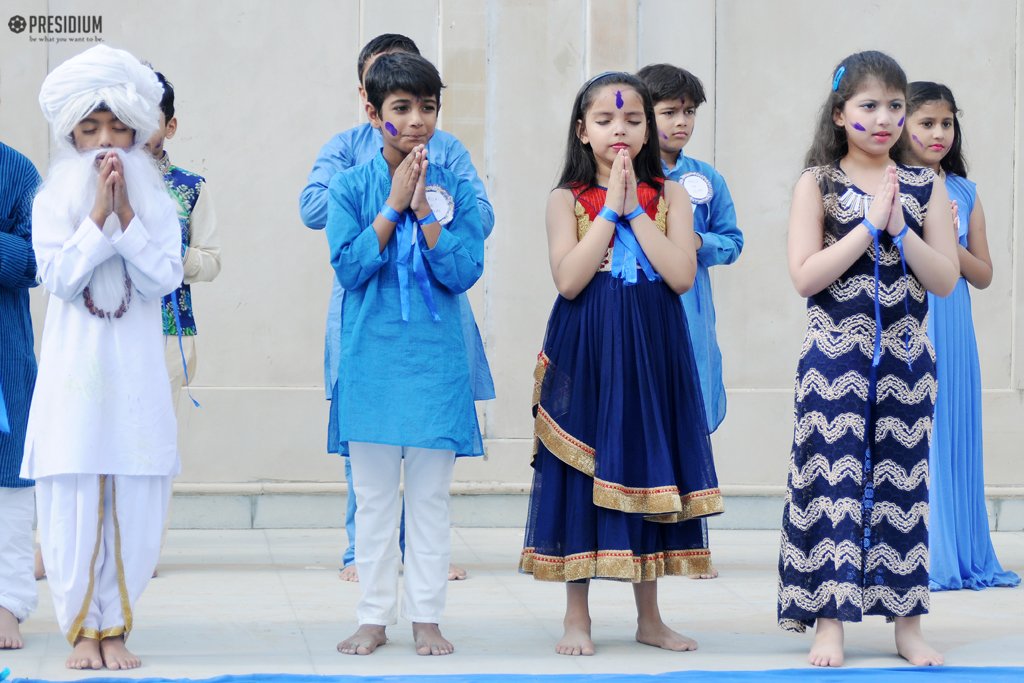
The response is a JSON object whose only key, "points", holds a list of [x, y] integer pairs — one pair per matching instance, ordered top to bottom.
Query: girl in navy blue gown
{"points": [[623, 473], [855, 522], [962, 555]]}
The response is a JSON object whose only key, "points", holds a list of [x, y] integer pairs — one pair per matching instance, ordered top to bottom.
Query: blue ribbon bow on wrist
{"points": [[627, 253], [410, 255]]}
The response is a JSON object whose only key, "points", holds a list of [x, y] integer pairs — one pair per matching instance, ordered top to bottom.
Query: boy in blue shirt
{"points": [[676, 94], [343, 151], [406, 240]]}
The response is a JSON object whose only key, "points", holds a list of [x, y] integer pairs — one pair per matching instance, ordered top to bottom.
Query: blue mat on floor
{"points": [[960, 674]]}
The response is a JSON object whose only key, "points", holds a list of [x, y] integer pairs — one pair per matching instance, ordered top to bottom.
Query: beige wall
{"points": [[262, 84]]}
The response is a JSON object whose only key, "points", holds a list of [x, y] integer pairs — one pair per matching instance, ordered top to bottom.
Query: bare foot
{"points": [[40, 569], [349, 573], [456, 573], [712, 574], [10, 634], [658, 634], [366, 639], [576, 639], [429, 640], [910, 643], [827, 649], [85, 655], [116, 656]]}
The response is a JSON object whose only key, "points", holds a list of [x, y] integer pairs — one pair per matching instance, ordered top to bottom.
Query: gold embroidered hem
{"points": [[538, 376], [563, 445], [659, 500], [622, 565], [122, 586], [76, 626], [113, 632], [90, 633]]}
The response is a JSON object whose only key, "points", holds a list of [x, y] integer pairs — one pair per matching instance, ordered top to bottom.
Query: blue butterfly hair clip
{"points": [[837, 78]]}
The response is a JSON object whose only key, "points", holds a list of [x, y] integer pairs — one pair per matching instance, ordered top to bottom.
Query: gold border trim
{"points": [[661, 217], [538, 376], [563, 445], [657, 500], [615, 564], [122, 587], [76, 626]]}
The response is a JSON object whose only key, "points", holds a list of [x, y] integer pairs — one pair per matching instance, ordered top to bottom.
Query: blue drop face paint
{"points": [[618, 99], [900, 122], [857, 126], [391, 129]]}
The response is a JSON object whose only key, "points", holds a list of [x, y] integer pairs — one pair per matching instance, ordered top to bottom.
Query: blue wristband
{"points": [[634, 213], [390, 214], [608, 215], [427, 220], [875, 232], [898, 239]]}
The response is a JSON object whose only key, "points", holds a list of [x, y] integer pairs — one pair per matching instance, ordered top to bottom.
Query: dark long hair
{"points": [[923, 92], [830, 144], [580, 168]]}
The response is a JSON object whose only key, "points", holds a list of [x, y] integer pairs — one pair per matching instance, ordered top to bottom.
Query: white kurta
{"points": [[101, 404]]}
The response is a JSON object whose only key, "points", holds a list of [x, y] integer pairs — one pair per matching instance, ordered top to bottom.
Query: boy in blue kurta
{"points": [[676, 94], [344, 151], [18, 182], [406, 239]]}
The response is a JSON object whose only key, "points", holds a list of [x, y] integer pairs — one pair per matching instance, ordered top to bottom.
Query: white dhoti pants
{"points": [[376, 475], [100, 536], [18, 593]]}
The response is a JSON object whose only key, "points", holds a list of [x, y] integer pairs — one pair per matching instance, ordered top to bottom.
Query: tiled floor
{"points": [[231, 602]]}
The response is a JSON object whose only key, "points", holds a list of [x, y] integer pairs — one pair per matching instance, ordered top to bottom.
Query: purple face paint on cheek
{"points": [[618, 99], [900, 122], [857, 126], [391, 129], [663, 136], [917, 140]]}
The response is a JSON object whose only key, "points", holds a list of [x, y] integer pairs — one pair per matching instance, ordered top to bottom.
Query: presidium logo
{"points": [[59, 28]]}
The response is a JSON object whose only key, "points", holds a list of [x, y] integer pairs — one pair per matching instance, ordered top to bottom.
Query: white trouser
{"points": [[376, 475], [100, 536], [17, 552]]}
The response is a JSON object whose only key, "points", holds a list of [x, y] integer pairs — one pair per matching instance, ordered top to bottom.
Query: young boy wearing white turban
{"points": [[101, 437]]}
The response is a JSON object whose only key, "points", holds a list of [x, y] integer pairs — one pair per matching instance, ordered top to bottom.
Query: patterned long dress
{"points": [[854, 528]]}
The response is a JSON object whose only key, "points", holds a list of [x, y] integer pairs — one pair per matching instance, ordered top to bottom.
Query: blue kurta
{"points": [[359, 145], [18, 182], [714, 219], [403, 382], [961, 549]]}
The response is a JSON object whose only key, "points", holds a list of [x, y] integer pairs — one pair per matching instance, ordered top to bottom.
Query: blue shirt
{"points": [[357, 146], [18, 182], [714, 219], [403, 382]]}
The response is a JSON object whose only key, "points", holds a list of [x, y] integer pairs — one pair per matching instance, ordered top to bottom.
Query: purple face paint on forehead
{"points": [[618, 99], [900, 122], [857, 126], [390, 128]]}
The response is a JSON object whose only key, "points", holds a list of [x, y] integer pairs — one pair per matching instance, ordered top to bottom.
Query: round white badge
{"points": [[697, 186], [441, 203]]}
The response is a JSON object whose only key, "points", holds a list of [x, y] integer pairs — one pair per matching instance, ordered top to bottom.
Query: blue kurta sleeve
{"points": [[334, 156], [460, 163], [723, 241], [355, 249], [17, 260], [457, 260]]}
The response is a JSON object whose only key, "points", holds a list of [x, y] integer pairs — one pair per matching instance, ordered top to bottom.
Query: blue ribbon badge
{"points": [[627, 254], [410, 256]]}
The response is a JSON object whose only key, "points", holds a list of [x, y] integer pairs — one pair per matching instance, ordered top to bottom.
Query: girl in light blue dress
{"points": [[961, 548]]}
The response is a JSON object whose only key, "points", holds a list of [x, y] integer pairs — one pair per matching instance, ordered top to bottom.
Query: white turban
{"points": [[129, 89]]}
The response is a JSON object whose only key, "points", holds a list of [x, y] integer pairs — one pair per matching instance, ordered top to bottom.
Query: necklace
{"points": [[126, 300]]}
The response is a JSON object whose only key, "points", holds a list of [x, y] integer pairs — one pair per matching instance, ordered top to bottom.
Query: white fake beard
{"points": [[70, 187]]}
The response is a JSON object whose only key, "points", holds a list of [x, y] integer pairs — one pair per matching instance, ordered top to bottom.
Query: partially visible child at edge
{"points": [[677, 94], [343, 151], [405, 238], [863, 248], [101, 441], [622, 467], [961, 552]]}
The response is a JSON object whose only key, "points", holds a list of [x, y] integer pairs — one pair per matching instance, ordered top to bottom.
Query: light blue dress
{"points": [[714, 218], [403, 382], [961, 548]]}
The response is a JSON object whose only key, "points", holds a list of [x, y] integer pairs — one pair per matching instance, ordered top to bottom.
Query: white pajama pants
{"points": [[376, 475], [100, 536], [17, 552]]}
